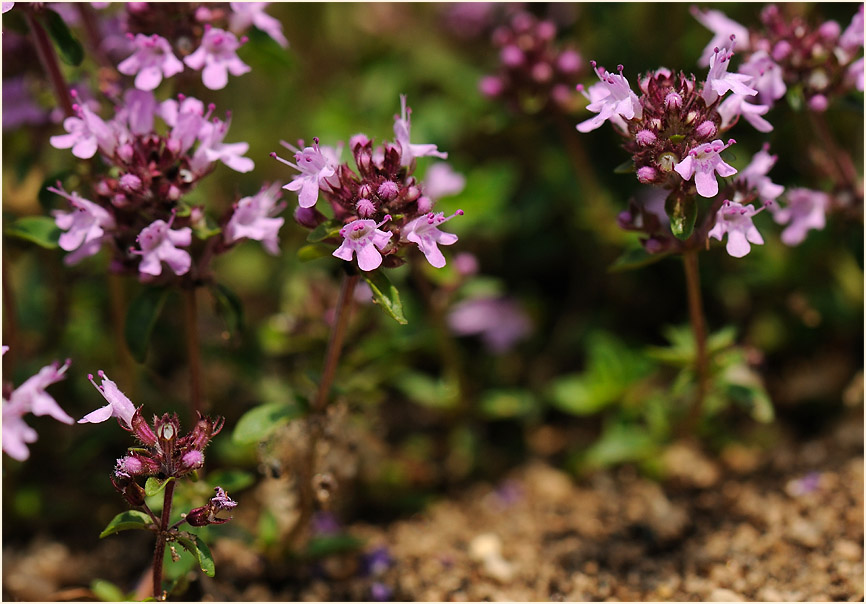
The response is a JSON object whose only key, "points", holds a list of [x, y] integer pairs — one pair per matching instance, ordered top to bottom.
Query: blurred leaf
{"points": [[69, 49], [795, 97], [626, 167], [682, 211], [205, 229], [40, 230], [326, 230], [314, 251], [635, 257], [385, 294], [229, 307], [141, 318], [681, 352], [744, 387], [427, 391], [572, 395], [500, 404], [257, 424], [619, 443], [231, 480], [154, 486], [128, 520], [194, 545], [326, 545], [106, 591]]}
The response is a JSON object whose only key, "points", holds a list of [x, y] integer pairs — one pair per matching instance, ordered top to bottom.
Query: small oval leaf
{"points": [[69, 49], [40, 230], [386, 295], [229, 307], [141, 319], [259, 423], [154, 485], [131, 519]]}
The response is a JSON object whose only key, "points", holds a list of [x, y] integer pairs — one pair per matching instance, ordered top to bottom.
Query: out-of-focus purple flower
{"points": [[7, 6], [245, 14], [468, 19], [722, 27], [852, 38], [216, 58], [152, 60], [855, 74], [766, 77], [719, 81], [612, 97], [738, 105], [19, 106], [138, 110], [188, 121], [402, 128], [87, 133], [212, 149], [704, 161], [315, 168], [755, 175], [442, 181], [804, 211], [253, 218], [736, 220], [85, 226], [424, 231], [362, 238], [159, 244], [466, 264], [500, 322], [32, 397], [118, 406], [16, 433], [809, 483], [325, 523], [377, 561], [380, 592]]}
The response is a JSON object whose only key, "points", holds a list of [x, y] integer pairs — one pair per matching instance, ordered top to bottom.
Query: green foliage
{"points": [[68, 47], [40, 230], [385, 295], [229, 307], [141, 318], [257, 424], [154, 486], [125, 521], [327, 545], [198, 548]]}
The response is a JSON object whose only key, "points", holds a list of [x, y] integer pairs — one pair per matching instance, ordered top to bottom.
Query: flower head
{"points": [[245, 14], [722, 27], [217, 57], [151, 61], [766, 77], [719, 81], [613, 97], [738, 105], [402, 127], [87, 133], [212, 149], [703, 162], [315, 167], [755, 176], [442, 181], [805, 211], [253, 218], [735, 220], [85, 226], [424, 231], [363, 239], [159, 244], [500, 322], [118, 406]]}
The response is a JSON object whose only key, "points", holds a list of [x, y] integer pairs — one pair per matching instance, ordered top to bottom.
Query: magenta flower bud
{"points": [[522, 22], [546, 30], [830, 30], [781, 50], [511, 56], [569, 61], [542, 72], [490, 86], [561, 94], [673, 101], [818, 103], [705, 129], [645, 137], [357, 140], [174, 145], [125, 152], [646, 174], [130, 183], [102, 189], [365, 190], [388, 190], [173, 193], [412, 193], [119, 200], [425, 204], [365, 207], [309, 217], [653, 245], [466, 264], [142, 430], [192, 460], [128, 466], [198, 516]]}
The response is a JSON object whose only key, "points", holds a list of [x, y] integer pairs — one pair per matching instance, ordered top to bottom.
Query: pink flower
{"points": [[245, 14], [722, 27], [852, 37], [216, 57], [151, 61], [766, 77], [719, 81], [612, 98], [738, 105], [138, 110], [188, 121], [402, 127], [87, 133], [212, 149], [704, 162], [315, 167], [755, 176], [441, 180], [806, 210], [253, 219], [736, 220], [85, 226], [424, 231], [362, 238], [158, 244], [500, 322], [30, 397], [118, 406]]}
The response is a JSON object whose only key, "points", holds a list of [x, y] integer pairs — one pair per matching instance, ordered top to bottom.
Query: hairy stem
{"points": [[48, 58], [846, 173], [699, 329], [335, 343], [192, 350], [161, 538]]}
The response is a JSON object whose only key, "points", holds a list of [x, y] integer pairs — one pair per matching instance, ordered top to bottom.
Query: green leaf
{"points": [[69, 49], [795, 97], [677, 138], [626, 167], [683, 211], [40, 230], [326, 230], [314, 251], [635, 257], [386, 295], [229, 307], [141, 319], [428, 391], [573, 395], [500, 404], [257, 424], [619, 443], [231, 480], [154, 485], [131, 519], [194, 545], [326, 545], [106, 591]]}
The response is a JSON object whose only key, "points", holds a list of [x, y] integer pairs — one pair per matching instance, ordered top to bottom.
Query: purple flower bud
{"points": [[522, 22], [546, 30], [830, 30], [781, 50], [511, 56], [569, 61], [542, 72], [490, 86], [673, 101], [818, 103], [705, 129], [645, 137], [125, 152], [647, 174], [130, 183], [102, 188], [365, 190], [388, 190], [173, 193], [412, 193], [119, 200], [425, 204], [365, 207], [309, 217], [192, 460], [128, 466], [198, 516]]}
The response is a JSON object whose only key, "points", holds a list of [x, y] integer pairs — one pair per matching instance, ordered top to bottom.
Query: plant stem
{"points": [[48, 58], [846, 173], [117, 303], [10, 318], [699, 329], [335, 342], [192, 349], [159, 552]]}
